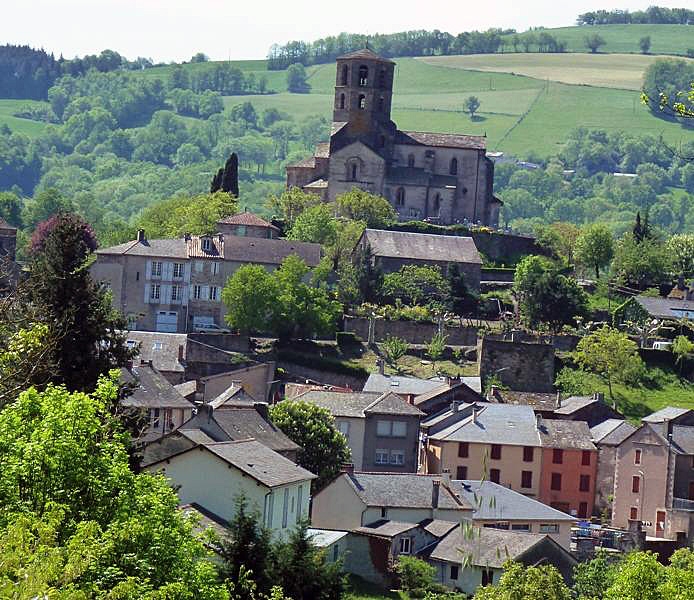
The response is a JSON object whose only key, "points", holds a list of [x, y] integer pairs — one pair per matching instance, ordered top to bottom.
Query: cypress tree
{"points": [[230, 179], [216, 184]]}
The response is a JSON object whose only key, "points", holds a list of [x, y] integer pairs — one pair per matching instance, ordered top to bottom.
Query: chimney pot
{"points": [[141, 235], [538, 421]]}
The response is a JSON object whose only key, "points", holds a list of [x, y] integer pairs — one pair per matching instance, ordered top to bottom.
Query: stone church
{"points": [[441, 177]]}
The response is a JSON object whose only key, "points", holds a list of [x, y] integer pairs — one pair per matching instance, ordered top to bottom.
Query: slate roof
{"points": [[366, 54], [446, 140], [323, 148], [306, 163], [317, 184], [247, 218], [422, 246], [156, 248], [268, 251], [665, 308], [160, 348], [400, 384], [187, 388], [150, 389], [443, 389], [234, 395], [538, 400], [389, 403], [575, 403], [340, 404], [665, 414], [243, 423], [495, 424], [611, 432], [568, 435], [683, 438], [173, 443], [260, 462], [405, 490], [494, 502], [206, 519], [437, 527], [386, 529], [325, 537], [484, 547]]}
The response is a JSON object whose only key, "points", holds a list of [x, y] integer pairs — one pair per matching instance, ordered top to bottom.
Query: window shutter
{"points": [[186, 271], [148, 273], [167, 275], [147, 287], [191, 291], [205, 292], [166, 294]]}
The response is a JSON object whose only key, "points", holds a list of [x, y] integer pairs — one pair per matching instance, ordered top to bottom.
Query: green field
{"points": [[665, 39], [605, 70], [17, 125]]}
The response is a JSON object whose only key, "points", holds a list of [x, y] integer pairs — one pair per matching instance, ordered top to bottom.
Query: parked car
{"points": [[209, 328], [662, 345]]}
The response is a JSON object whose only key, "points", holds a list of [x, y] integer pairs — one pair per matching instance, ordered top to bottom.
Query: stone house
{"points": [[445, 178], [391, 250], [174, 285], [257, 380], [150, 392], [424, 393], [590, 409], [382, 430], [607, 436], [498, 442], [569, 467], [212, 474], [654, 476], [466, 560]]}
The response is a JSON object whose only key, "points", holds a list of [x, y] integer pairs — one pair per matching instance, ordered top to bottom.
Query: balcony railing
{"points": [[683, 504]]}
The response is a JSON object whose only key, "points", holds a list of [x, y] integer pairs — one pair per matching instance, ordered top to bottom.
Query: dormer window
{"points": [[206, 244]]}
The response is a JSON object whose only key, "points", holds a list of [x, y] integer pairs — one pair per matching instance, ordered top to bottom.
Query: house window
{"points": [[345, 75], [363, 76], [342, 101], [361, 102], [410, 160], [453, 168], [400, 197], [206, 244], [156, 268], [215, 268], [177, 270], [137, 276], [155, 292], [197, 292], [214, 292], [175, 293], [157, 346], [154, 418], [343, 428], [391, 428], [463, 449], [496, 452], [528, 453], [558, 456], [382, 457], [397, 457], [637, 457], [585, 458], [461, 472], [494, 475], [526, 479], [556, 481], [584, 483], [635, 484], [299, 503], [285, 507], [269, 509], [582, 510], [384, 512], [633, 513], [520, 527], [549, 528], [405, 545], [454, 572], [487, 577]]}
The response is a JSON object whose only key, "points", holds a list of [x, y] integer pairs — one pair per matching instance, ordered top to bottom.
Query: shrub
{"points": [[345, 339], [415, 574]]}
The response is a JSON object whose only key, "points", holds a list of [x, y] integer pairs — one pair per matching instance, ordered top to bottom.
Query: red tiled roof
{"points": [[246, 218]]}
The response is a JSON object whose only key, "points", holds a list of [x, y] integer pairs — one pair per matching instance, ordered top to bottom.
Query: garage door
{"points": [[167, 321]]}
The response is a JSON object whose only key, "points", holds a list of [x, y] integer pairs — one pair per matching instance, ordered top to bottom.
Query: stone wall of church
{"points": [[368, 173]]}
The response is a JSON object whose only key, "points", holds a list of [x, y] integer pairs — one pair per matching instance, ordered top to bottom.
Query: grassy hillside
{"points": [[665, 39], [623, 71], [25, 126]]}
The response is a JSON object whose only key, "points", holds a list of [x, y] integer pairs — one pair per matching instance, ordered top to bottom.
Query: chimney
{"points": [[141, 235], [186, 236], [180, 353], [381, 366], [494, 392], [558, 400], [455, 406], [262, 409], [475, 411], [538, 421], [347, 468], [446, 477], [435, 489]]}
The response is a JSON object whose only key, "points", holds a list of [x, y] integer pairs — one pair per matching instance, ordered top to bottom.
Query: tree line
{"points": [[653, 15]]}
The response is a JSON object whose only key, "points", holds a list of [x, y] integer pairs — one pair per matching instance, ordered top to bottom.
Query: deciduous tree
{"points": [[471, 105], [359, 205], [595, 247]]}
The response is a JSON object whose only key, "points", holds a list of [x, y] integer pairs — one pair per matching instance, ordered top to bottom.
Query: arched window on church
{"points": [[345, 75], [363, 76], [382, 78], [342, 100], [361, 102], [381, 104], [410, 160], [453, 170], [353, 171], [400, 197], [437, 203]]}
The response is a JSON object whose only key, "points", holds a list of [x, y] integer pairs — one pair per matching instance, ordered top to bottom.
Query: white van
{"points": [[207, 325], [662, 345]]}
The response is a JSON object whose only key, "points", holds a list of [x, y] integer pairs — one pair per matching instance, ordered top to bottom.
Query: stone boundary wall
{"points": [[412, 331], [224, 341], [520, 366], [321, 376]]}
